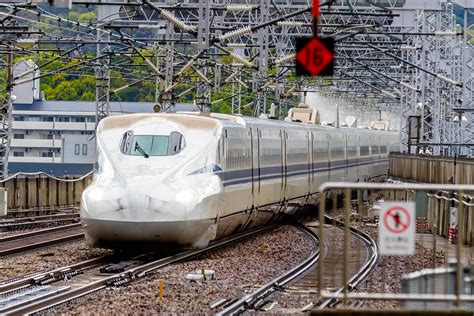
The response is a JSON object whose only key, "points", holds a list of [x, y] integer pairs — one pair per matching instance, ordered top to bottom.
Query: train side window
{"points": [[126, 142], [176, 143], [364, 150]]}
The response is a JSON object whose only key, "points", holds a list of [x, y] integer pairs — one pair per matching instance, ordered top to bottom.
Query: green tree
{"points": [[87, 17], [65, 91], [87, 96]]}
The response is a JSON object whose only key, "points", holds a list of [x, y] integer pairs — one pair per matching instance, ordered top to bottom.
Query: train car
{"points": [[182, 180]]}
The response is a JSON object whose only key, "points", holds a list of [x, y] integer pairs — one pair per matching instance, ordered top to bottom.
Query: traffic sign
{"points": [[314, 56], [397, 228]]}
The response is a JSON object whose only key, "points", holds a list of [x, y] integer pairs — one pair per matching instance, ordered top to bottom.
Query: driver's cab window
{"points": [[151, 145]]}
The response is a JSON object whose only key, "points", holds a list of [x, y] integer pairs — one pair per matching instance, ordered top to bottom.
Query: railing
{"points": [[436, 254]]}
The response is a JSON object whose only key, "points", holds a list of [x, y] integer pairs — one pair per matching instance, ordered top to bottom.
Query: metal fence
{"points": [[431, 169], [439, 208], [437, 281]]}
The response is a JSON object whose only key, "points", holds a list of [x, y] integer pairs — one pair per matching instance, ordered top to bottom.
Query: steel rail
{"points": [[51, 209], [37, 217], [16, 224], [25, 225], [39, 232], [40, 244], [364, 271], [35, 277], [251, 300], [33, 306]]}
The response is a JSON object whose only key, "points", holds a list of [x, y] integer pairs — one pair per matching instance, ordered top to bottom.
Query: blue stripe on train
{"points": [[234, 177]]}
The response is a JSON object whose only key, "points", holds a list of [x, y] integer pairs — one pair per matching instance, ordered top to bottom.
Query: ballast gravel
{"points": [[47, 258], [239, 268], [386, 277]]}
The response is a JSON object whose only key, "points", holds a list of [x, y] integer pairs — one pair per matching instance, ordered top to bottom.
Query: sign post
{"points": [[397, 228]]}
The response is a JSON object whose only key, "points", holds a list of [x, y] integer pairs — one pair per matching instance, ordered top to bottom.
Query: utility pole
{"points": [[8, 43], [102, 71]]}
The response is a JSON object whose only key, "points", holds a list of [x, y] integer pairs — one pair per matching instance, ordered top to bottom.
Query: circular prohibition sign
{"points": [[401, 224]]}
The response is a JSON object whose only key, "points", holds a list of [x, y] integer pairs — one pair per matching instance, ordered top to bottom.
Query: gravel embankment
{"points": [[47, 259], [240, 269], [387, 275], [385, 278]]}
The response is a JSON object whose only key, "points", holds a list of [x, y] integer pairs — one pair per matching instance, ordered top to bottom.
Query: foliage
{"points": [[64, 82]]}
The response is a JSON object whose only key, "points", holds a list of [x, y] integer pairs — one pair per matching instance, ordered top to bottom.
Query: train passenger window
{"points": [[151, 145], [364, 150]]}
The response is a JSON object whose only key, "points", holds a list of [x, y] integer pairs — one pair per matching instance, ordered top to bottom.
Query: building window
{"points": [[19, 118], [47, 118], [64, 119], [80, 119], [19, 136], [45, 136], [77, 149], [84, 149], [18, 154], [46, 154]]}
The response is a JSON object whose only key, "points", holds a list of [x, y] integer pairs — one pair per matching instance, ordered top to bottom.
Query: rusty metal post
{"points": [[347, 206], [322, 208], [435, 227], [458, 251]]}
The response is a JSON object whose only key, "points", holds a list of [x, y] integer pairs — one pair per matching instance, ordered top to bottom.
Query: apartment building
{"points": [[57, 137]]}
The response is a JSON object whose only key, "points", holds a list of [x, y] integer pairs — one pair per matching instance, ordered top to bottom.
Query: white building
{"points": [[57, 137]]}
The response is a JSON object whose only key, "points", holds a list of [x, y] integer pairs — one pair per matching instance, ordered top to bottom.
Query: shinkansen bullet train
{"points": [[182, 180]]}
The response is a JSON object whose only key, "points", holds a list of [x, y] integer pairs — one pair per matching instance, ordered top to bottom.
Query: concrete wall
{"points": [[26, 92], [78, 149], [47, 165], [42, 191]]}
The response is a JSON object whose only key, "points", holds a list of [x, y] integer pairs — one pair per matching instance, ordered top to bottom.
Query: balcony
{"points": [[32, 125], [58, 126], [73, 126], [36, 143], [35, 159]]}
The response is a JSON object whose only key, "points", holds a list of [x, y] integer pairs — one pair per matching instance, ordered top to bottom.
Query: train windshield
{"points": [[151, 145]]}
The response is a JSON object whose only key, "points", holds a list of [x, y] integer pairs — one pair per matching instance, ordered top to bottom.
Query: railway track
{"points": [[40, 211], [37, 221], [17, 243], [360, 265], [303, 279], [44, 290], [258, 298]]}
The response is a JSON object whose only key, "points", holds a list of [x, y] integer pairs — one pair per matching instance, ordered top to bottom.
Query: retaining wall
{"points": [[40, 190]]}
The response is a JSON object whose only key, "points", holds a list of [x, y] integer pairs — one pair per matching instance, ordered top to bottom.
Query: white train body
{"points": [[196, 178]]}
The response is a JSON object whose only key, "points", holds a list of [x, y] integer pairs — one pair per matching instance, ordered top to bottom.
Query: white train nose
{"points": [[138, 217]]}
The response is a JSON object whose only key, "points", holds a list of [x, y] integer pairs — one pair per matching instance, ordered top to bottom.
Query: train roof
{"points": [[209, 120], [228, 120]]}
